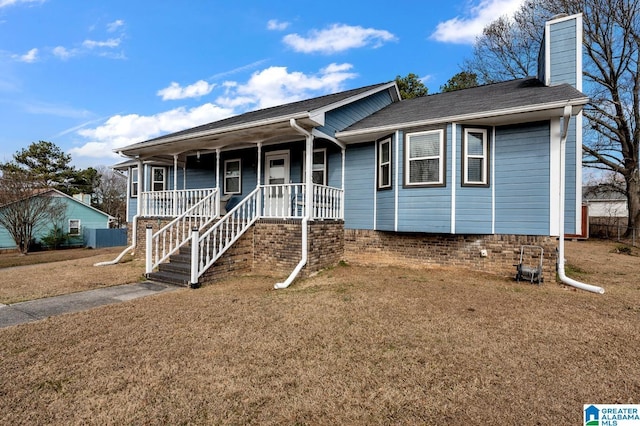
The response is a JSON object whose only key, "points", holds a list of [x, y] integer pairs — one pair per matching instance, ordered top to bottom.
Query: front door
{"points": [[276, 175]]}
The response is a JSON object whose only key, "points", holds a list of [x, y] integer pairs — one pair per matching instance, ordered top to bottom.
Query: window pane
{"points": [[474, 143], [427, 145], [384, 153], [318, 158], [233, 168], [475, 170], [424, 171], [158, 175], [384, 175], [318, 177], [233, 184], [158, 186]]}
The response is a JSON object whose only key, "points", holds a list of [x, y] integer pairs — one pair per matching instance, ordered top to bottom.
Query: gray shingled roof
{"points": [[493, 97], [293, 108]]}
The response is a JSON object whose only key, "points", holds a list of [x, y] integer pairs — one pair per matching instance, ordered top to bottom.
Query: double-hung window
{"points": [[475, 151], [424, 155], [384, 163], [319, 170], [233, 176], [158, 178], [134, 181], [74, 226]]}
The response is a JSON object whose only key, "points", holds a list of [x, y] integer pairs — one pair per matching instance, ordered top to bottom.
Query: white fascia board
{"points": [[467, 117]]}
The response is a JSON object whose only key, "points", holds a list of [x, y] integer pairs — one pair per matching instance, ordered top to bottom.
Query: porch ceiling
{"points": [[224, 139]]}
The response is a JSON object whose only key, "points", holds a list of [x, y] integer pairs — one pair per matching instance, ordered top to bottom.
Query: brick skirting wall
{"points": [[274, 247], [503, 251]]}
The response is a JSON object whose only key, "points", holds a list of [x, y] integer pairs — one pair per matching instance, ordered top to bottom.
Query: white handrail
{"points": [[176, 233], [216, 240]]}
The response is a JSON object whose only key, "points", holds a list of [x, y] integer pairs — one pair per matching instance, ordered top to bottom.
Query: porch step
{"points": [[176, 271], [170, 278]]}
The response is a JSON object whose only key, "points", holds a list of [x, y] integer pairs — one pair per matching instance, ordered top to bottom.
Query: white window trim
{"points": [[484, 157], [440, 158], [226, 162], [386, 163], [324, 166], [164, 178], [134, 181], [79, 227]]}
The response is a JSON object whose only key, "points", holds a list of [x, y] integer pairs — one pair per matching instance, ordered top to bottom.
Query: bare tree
{"points": [[611, 76], [110, 194], [26, 207]]}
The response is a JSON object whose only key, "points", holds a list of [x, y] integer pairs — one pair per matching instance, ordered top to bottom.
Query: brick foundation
{"points": [[274, 247], [503, 251]]}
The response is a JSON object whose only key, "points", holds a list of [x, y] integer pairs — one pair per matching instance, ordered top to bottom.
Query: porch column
{"points": [[343, 168], [259, 180], [175, 185], [140, 186], [308, 198]]}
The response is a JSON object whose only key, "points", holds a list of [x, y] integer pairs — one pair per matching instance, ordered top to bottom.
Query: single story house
{"points": [[459, 178], [77, 217]]}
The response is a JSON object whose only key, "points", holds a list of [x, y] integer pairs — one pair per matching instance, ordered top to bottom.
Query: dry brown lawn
{"points": [[65, 271], [352, 345]]}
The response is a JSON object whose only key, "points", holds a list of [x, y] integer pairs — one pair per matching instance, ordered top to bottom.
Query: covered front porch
{"points": [[247, 182]]}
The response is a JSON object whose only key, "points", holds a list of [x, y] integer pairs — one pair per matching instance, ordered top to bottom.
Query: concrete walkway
{"points": [[35, 310]]}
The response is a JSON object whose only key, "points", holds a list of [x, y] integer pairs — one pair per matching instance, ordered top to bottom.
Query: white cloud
{"points": [[4, 3], [115, 25], [275, 25], [464, 30], [338, 38], [110, 43], [62, 52], [29, 57], [276, 86], [269, 87], [195, 90], [121, 130]]}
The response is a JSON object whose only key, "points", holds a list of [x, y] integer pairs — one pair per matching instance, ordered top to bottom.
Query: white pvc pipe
{"points": [[305, 220], [125, 251], [303, 261], [561, 273]]}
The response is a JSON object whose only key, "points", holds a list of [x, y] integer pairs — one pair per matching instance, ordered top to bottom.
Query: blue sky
{"points": [[92, 76]]}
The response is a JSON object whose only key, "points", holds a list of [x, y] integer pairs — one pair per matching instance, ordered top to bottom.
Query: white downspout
{"points": [[307, 203], [134, 227], [561, 273]]}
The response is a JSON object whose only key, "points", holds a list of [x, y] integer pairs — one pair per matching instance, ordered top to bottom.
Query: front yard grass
{"points": [[352, 345]]}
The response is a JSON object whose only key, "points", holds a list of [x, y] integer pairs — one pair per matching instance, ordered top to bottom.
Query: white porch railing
{"points": [[288, 201], [327, 202], [171, 203], [172, 236], [208, 247]]}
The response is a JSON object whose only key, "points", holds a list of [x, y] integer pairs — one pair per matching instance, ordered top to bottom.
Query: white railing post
{"points": [[149, 249], [195, 257]]}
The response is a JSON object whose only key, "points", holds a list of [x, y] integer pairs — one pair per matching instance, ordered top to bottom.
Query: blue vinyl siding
{"points": [[563, 52], [343, 117], [522, 179], [359, 180], [473, 204], [426, 209], [385, 220]]}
